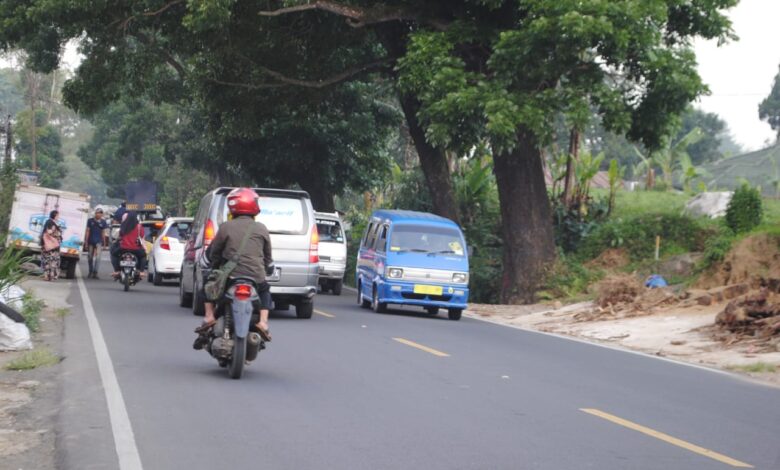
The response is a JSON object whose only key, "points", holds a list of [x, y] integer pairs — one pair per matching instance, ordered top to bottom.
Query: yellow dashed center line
{"points": [[325, 314], [421, 347], [667, 438]]}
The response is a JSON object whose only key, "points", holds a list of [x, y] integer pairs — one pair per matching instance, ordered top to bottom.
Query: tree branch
{"points": [[159, 11], [358, 17], [284, 80]]}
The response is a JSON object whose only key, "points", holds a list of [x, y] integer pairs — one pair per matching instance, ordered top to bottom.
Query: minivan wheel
{"points": [[336, 287], [185, 299], [361, 301], [198, 303], [376, 305], [304, 309], [455, 313]]}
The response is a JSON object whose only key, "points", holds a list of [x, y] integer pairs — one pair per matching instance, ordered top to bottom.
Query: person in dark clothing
{"points": [[119, 214], [130, 235], [96, 240], [255, 259]]}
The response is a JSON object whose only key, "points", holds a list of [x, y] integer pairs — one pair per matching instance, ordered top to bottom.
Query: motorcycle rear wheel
{"points": [[126, 282], [237, 358]]}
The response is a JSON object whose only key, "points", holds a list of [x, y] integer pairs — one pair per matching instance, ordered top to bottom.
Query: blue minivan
{"points": [[413, 258]]}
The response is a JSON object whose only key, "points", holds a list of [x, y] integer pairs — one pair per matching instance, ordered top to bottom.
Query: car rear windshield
{"points": [[283, 215], [179, 230], [151, 231], [330, 231], [423, 239]]}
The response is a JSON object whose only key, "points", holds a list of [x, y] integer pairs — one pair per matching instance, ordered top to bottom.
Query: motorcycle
{"points": [[128, 273], [230, 341]]}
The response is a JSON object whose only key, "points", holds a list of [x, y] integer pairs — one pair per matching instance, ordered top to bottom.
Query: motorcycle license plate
{"points": [[127, 264], [276, 275], [427, 290]]}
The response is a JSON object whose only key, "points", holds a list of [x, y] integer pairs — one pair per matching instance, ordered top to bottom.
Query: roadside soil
{"points": [[685, 333], [29, 400]]}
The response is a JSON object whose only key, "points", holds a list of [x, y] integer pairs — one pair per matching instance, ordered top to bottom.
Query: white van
{"points": [[333, 251]]}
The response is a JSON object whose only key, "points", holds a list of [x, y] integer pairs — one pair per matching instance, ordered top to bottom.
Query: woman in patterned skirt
{"points": [[51, 239]]}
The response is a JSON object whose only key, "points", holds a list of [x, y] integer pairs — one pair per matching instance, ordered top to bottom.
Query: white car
{"points": [[167, 251], [333, 251]]}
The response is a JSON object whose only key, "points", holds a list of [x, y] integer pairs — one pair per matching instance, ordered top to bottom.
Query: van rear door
{"points": [[288, 220]]}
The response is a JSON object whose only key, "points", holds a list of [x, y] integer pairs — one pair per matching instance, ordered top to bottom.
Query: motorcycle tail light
{"points": [[165, 243], [243, 292]]}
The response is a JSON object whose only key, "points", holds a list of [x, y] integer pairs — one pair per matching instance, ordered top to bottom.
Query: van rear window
{"points": [[283, 215], [330, 231], [419, 239]]}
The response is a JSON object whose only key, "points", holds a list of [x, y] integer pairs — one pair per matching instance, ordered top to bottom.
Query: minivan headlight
{"points": [[395, 273], [460, 278]]}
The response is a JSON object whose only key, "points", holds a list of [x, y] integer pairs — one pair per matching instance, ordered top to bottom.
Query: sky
{"points": [[739, 73]]}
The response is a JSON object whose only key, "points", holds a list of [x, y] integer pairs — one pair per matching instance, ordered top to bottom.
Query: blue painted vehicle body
{"points": [[413, 258]]}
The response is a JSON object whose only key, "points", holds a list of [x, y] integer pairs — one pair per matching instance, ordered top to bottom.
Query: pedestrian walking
{"points": [[51, 239], [96, 241]]}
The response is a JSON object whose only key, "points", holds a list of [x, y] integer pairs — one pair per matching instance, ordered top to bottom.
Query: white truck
{"points": [[30, 210]]}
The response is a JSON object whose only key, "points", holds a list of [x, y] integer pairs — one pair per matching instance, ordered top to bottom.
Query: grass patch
{"points": [[569, 281], [31, 311], [62, 312], [41, 357], [756, 368]]}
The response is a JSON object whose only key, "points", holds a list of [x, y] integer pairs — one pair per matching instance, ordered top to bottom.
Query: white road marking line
{"points": [[324, 314], [124, 440]]}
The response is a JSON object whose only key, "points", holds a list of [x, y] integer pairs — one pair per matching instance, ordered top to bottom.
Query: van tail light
{"points": [[209, 232], [165, 243], [314, 248], [243, 292]]}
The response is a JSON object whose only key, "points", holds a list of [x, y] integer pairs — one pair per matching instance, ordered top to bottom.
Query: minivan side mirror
{"points": [[470, 250]]}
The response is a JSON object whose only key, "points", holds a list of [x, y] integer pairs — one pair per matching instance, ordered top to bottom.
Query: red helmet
{"points": [[243, 201]]}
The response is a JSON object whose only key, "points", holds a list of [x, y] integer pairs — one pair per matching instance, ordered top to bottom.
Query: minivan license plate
{"points": [[276, 275], [427, 290]]}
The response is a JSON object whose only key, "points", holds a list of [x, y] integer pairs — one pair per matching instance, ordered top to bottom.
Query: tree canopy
{"points": [[769, 109]]}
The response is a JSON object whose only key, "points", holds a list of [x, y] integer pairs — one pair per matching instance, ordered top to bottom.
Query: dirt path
{"points": [[29, 399]]}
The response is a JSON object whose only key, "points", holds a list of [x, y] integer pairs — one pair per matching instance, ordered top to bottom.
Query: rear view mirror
{"points": [[470, 250]]}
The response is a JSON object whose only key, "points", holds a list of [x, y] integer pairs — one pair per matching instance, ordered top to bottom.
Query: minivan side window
{"points": [[366, 235], [371, 241], [381, 244]]}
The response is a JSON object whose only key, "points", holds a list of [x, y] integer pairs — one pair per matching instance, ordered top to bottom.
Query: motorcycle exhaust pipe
{"points": [[253, 346]]}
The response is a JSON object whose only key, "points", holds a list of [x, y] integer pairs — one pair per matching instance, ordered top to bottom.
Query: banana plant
{"points": [[670, 157]]}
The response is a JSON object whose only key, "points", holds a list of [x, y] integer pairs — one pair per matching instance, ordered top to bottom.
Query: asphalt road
{"points": [[357, 390]]}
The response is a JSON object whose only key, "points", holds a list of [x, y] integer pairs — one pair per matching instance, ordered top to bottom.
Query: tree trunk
{"points": [[433, 163], [321, 198], [529, 248]]}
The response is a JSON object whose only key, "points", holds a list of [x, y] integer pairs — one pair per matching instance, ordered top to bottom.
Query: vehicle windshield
{"points": [[282, 215], [152, 230], [179, 230], [330, 231], [435, 240]]}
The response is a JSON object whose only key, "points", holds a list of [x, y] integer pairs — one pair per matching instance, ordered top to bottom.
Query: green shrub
{"points": [[745, 209], [571, 225], [679, 233], [717, 247], [10, 267], [568, 279], [31, 311], [41, 357]]}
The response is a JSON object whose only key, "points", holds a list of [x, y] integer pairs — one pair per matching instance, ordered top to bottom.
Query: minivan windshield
{"points": [[282, 215], [330, 231], [422, 239]]}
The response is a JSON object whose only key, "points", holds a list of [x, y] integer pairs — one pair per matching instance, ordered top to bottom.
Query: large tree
{"points": [[769, 109]]}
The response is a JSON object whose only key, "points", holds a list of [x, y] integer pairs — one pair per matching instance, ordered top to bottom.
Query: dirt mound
{"points": [[611, 259], [754, 260], [617, 289], [754, 316]]}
